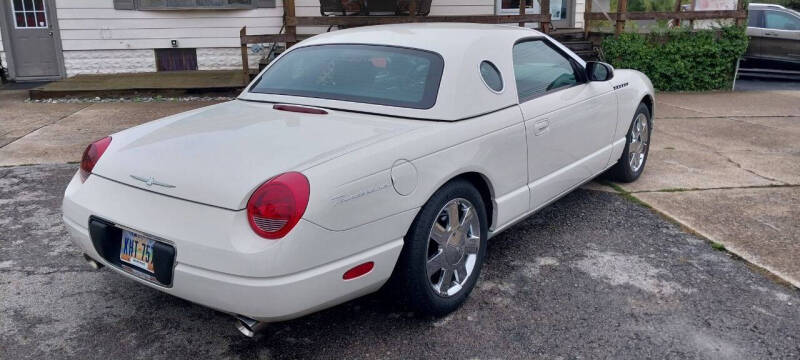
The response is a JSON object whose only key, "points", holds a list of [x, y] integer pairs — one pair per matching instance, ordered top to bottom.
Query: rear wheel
{"points": [[631, 164], [443, 250]]}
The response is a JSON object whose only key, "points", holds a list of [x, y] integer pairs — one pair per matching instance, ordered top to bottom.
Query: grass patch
{"points": [[674, 190], [627, 195], [717, 246]]}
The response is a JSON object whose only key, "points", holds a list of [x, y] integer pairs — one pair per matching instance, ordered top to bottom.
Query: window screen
{"points": [[538, 68]]}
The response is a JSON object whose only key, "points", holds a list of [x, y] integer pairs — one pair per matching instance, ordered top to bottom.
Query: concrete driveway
{"points": [[727, 165], [592, 276]]}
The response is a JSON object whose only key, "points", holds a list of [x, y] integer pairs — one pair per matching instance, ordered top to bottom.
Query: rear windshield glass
{"points": [[372, 74]]}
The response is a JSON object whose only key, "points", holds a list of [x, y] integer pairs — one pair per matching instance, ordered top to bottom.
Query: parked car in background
{"points": [[774, 33], [361, 156]]}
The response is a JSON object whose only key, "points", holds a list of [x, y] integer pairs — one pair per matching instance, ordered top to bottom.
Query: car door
{"points": [[755, 32], [781, 37], [569, 122]]}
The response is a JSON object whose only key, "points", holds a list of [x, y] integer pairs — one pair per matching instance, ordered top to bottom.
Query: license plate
{"points": [[137, 250]]}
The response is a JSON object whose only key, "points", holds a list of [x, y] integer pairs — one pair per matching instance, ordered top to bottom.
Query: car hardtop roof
{"points": [[462, 94]]}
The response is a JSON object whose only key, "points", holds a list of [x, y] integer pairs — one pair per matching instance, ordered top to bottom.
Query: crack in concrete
{"points": [[682, 108], [729, 117], [46, 125], [718, 153], [726, 157], [715, 188]]}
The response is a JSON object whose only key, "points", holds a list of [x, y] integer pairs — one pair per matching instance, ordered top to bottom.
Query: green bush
{"points": [[680, 59]]}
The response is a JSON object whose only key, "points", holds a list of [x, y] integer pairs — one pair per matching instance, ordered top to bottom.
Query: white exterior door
{"points": [[569, 122]]}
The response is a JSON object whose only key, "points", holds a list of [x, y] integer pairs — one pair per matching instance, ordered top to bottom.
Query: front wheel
{"points": [[631, 164], [443, 251]]}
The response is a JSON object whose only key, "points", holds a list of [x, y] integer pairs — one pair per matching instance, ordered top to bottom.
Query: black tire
{"points": [[623, 171], [410, 283]]}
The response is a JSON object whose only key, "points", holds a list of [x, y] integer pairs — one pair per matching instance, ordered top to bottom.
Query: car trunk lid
{"points": [[219, 154]]}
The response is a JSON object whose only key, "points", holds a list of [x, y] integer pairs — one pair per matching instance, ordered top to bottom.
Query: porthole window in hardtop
{"points": [[491, 76]]}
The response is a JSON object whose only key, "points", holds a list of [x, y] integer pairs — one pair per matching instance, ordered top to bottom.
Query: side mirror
{"points": [[599, 71]]}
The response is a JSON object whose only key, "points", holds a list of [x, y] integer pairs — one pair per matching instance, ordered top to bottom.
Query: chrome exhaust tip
{"points": [[94, 264], [247, 326]]}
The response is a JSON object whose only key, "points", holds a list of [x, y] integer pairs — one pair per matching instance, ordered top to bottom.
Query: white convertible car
{"points": [[385, 155]]}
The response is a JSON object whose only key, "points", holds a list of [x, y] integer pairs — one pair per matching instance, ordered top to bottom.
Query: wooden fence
{"points": [[622, 15], [291, 21]]}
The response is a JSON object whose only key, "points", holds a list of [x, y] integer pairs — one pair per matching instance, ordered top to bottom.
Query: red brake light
{"points": [[91, 155], [278, 204]]}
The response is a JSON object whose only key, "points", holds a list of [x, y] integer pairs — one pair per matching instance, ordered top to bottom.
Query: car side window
{"points": [[755, 18], [780, 21], [538, 68]]}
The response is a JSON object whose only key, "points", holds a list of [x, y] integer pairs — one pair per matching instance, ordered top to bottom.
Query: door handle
{"points": [[770, 34], [540, 127]]}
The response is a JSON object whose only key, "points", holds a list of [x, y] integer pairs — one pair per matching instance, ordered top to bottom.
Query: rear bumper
{"points": [[223, 267]]}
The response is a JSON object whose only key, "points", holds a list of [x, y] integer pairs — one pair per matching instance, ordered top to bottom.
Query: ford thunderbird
{"points": [[360, 159]]}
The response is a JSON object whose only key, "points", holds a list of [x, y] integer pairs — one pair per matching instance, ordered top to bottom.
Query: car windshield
{"points": [[371, 74]]}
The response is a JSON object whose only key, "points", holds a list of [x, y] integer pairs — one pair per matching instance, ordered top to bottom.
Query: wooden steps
{"points": [[575, 40]]}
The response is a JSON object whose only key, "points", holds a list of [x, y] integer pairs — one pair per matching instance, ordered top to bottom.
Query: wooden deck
{"points": [[161, 83]]}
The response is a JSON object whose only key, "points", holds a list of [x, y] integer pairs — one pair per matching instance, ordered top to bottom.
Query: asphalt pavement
{"points": [[595, 275]]}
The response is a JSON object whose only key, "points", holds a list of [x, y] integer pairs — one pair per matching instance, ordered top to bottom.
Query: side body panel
{"points": [[492, 145]]}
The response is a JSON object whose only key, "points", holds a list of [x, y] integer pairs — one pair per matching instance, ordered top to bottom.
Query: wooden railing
{"points": [[622, 15], [291, 22]]}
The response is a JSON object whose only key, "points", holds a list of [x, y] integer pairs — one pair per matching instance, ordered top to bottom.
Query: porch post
{"points": [[522, 4], [545, 4], [740, 5], [622, 12], [587, 15], [290, 22], [245, 60]]}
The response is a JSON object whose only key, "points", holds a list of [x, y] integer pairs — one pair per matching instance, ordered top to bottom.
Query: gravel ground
{"points": [[592, 276]]}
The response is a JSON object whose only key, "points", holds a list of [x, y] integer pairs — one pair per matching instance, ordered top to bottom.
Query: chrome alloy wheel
{"points": [[640, 139], [453, 246]]}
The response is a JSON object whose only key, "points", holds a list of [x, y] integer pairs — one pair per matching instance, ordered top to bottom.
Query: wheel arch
{"points": [[648, 101], [484, 186]]}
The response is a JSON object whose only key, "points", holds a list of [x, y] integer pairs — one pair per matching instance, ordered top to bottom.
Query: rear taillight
{"points": [[91, 155], [278, 204]]}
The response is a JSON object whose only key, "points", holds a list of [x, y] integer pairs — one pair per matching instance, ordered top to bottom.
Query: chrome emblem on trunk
{"points": [[151, 181]]}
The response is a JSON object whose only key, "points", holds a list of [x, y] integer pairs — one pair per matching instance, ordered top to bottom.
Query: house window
{"points": [[191, 4], [194, 4], [512, 6], [558, 10], [29, 14]]}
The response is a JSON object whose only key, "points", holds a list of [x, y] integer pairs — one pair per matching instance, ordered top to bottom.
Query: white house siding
{"points": [[580, 9], [96, 38]]}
